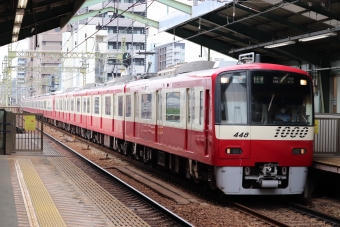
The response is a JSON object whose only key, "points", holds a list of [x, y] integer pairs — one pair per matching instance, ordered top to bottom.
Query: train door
{"points": [[190, 105], [53, 108], [113, 109], [89, 111], [205, 111], [63, 112], [67, 112], [134, 112], [83, 113], [129, 115], [159, 119]]}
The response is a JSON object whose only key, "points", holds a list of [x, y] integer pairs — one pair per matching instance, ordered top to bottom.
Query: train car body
{"points": [[245, 129]]}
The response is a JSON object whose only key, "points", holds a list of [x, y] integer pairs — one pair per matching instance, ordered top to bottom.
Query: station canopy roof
{"points": [[20, 19], [304, 31]]}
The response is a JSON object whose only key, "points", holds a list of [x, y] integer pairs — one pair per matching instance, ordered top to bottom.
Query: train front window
{"points": [[281, 98], [233, 109]]}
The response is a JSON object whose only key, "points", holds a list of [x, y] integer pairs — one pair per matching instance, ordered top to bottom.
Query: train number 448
{"points": [[241, 134]]}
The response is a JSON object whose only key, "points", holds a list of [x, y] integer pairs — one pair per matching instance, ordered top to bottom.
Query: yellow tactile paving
{"points": [[51, 191], [46, 212], [117, 212], [32, 217]]}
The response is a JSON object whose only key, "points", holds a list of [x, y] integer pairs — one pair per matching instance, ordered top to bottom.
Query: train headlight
{"points": [[224, 80], [303, 82], [233, 151], [299, 151], [284, 170]]}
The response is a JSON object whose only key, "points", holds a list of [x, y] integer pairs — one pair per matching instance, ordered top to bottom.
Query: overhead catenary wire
{"points": [[278, 5], [86, 23], [201, 33]]}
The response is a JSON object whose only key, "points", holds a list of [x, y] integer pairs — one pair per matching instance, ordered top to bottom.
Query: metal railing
{"points": [[327, 138], [30, 140]]}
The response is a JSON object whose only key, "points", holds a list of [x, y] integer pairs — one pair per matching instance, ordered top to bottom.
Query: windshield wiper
{"points": [[270, 104]]}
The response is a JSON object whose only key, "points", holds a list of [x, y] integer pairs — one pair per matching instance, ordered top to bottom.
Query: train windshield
{"points": [[281, 98], [233, 99]]}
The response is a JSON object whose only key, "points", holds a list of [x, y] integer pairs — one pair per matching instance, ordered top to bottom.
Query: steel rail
{"points": [[259, 215], [327, 218]]}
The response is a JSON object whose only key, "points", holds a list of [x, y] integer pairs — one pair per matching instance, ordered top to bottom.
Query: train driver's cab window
{"points": [[281, 98], [233, 105], [146, 110], [173, 110]]}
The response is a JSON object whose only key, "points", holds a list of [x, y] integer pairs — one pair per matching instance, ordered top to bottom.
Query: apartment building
{"points": [[118, 29], [168, 55], [38, 80]]}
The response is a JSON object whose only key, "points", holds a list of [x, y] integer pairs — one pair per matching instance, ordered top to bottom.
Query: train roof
{"points": [[196, 69]]}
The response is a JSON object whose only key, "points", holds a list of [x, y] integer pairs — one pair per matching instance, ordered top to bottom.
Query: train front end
{"points": [[264, 127]]}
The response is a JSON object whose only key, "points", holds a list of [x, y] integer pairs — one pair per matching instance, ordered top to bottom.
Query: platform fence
{"points": [[26, 140]]}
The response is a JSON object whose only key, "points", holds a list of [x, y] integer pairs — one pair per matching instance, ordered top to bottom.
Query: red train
{"points": [[243, 129]]}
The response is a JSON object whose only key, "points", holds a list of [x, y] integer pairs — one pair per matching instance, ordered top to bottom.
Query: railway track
{"points": [[149, 210], [287, 213], [265, 214]]}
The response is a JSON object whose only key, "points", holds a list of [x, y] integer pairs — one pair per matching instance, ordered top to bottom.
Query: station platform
{"points": [[327, 163], [46, 189]]}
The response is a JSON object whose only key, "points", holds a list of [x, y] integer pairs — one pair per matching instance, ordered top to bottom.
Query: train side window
{"points": [[61, 104], [72, 104], [88, 104], [56, 105], [78, 105], [84, 105], [96, 105], [107, 105], [113, 105], [120, 105], [136, 105], [191, 105], [128, 106], [159, 106], [146, 108], [201, 108], [173, 110]]}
